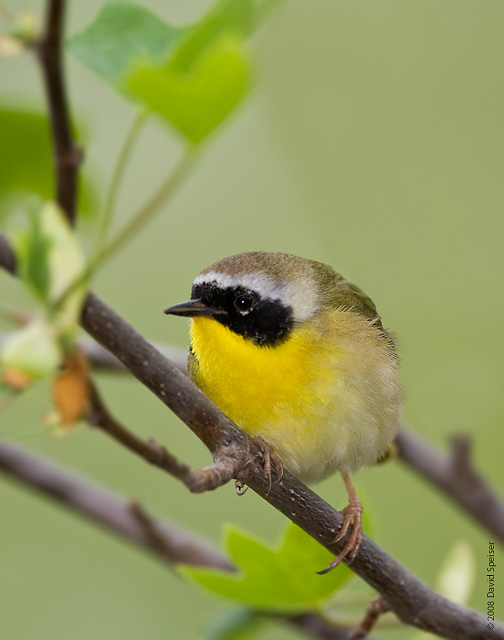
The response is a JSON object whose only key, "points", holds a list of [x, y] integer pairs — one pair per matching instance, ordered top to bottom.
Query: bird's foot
{"points": [[270, 460], [352, 515]]}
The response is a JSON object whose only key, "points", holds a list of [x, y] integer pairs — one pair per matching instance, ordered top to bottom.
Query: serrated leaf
{"points": [[192, 77], [281, 579]]}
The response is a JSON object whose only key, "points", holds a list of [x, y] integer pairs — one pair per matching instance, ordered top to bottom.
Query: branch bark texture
{"points": [[67, 155], [452, 473], [455, 475], [108, 509], [130, 521]]}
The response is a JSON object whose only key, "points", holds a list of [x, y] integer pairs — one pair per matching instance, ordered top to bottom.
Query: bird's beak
{"points": [[193, 309]]}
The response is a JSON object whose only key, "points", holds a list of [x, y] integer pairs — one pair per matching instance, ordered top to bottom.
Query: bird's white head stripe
{"points": [[302, 299]]}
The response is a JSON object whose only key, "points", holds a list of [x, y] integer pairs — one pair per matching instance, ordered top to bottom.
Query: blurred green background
{"points": [[374, 142]]}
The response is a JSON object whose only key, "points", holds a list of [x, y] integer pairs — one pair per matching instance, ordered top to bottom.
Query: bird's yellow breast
{"points": [[256, 386], [326, 399]]}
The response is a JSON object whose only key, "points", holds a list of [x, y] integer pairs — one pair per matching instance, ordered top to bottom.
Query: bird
{"points": [[297, 356]]}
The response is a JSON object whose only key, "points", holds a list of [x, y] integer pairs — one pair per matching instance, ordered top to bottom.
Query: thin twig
{"points": [[67, 156], [118, 175], [145, 213], [135, 224], [7, 257], [101, 359], [221, 471], [455, 475], [107, 509], [130, 521], [156, 539], [376, 609], [316, 627]]}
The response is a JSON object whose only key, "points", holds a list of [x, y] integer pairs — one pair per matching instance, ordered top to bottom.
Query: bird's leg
{"points": [[268, 456], [352, 514]]}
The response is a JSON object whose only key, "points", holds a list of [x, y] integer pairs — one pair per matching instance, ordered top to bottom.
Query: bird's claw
{"points": [[270, 456], [352, 514]]}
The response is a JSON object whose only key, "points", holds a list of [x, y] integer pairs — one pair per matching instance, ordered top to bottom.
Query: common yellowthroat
{"points": [[297, 356]]}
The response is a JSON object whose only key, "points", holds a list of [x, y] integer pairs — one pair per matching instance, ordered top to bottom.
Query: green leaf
{"points": [[120, 36], [192, 77], [197, 101], [25, 161], [26, 164], [32, 255], [49, 261], [66, 266], [33, 350], [298, 544], [281, 579]]}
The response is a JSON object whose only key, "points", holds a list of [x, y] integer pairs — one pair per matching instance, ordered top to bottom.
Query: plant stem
{"points": [[67, 155], [118, 176], [151, 207], [140, 219]]}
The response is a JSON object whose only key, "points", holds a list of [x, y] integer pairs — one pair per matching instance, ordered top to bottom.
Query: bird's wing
{"points": [[345, 295]]}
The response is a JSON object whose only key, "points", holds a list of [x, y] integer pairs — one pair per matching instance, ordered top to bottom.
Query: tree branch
{"points": [[67, 156], [7, 257], [100, 358], [224, 468], [455, 475], [108, 509], [129, 520], [412, 601], [376, 609], [317, 628]]}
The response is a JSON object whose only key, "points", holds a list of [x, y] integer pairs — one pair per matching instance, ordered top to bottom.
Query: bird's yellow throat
{"points": [[253, 384]]}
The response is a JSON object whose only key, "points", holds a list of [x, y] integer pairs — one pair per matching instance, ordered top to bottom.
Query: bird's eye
{"points": [[244, 302]]}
